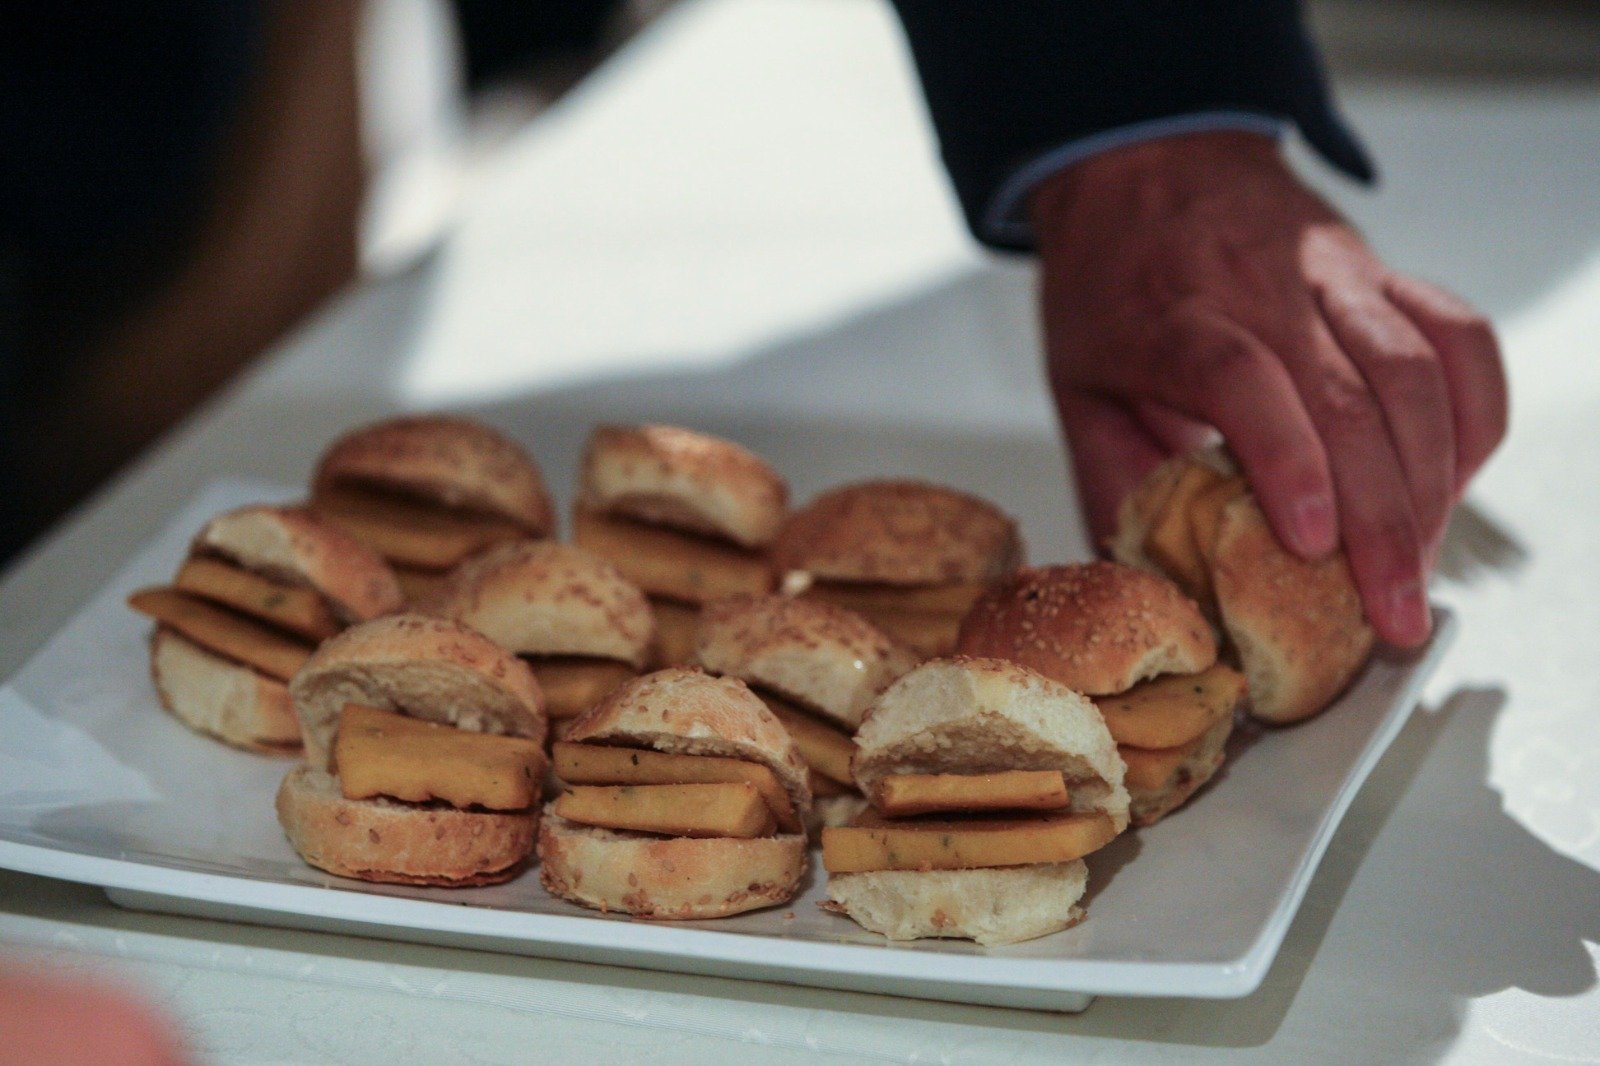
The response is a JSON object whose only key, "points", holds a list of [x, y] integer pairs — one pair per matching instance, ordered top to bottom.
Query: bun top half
{"points": [[443, 459], [684, 479], [898, 533], [292, 545], [538, 597], [1098, 628], [827, 658], [428, 668], [685, 711], [965, 715]]}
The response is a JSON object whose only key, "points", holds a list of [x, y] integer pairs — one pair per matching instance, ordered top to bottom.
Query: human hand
{"points": [[1193, 283], [46, 1019]]}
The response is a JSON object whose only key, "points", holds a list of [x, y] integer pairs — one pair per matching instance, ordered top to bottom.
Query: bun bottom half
{"points": [[221, 698], [1148, 806], [400, 843], [667, 877], [994, 905]]}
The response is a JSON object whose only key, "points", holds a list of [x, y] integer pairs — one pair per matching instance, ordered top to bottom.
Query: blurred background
{"points": [[200, 178]]}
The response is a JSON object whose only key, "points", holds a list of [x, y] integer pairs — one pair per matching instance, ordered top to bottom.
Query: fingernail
{"points": [[1314, 526], [1408, 610]]}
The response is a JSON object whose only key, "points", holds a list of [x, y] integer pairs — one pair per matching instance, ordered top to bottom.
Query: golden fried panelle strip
{"points": [[1205, 512], [408, 531], [1170, 541], [665, 562], [298, 609], [677, 628], [220, 630], [573, 684], [1172, 710], [824, 748], [381, 753], [598, 764], [1152, 768], [900, 795], [733, 809], [962, 844]]}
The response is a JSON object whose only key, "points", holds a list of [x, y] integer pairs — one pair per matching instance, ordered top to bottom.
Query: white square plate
{"points": [[98, 785]]}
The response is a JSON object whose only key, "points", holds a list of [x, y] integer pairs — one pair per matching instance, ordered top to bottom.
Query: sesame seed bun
{"points": [[455, 462], [677, 477], [898, 533], [291, 545], [538, 597], [1298, 627], [1098, 628], [828, 659], [429, 668], [222, 698], [680, 711], [685, 711], [965, 715], [400, 843], [667, 877], [992, 906]]}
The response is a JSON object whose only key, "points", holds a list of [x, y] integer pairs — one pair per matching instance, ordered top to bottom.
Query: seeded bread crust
{"points": [[456, 462], [677, 477], [898, 533], [293, 546], [538, 597], [1298, 627], [1098, 628], [826, 658], [430, 668], [221, 698], [685, 711], [965, 715], [401, 843], [667, 877], [991, 906]]}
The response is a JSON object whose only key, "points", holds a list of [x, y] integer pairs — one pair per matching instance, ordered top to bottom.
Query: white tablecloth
{"points": [[743, 219]]}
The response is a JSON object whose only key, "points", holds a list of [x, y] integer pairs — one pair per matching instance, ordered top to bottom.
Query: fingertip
{"points": [[1313, 527], [1407, 621]]}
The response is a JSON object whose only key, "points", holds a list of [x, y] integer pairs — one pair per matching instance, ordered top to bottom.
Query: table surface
{"points": [[744, 215]]}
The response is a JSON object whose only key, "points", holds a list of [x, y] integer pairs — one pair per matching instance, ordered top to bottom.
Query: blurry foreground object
{"points": [[222, 154], [53, 1020]]}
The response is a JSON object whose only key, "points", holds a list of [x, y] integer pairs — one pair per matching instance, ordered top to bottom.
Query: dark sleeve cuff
{"points": [[1010, 81]]}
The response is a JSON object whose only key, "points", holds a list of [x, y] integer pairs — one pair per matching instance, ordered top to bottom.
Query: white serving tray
{"points": [[98, 785]]}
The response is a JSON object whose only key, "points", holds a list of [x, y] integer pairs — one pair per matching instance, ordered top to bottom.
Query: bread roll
{"points": [[451, 461], [683, 479], [898, 533], [290, 545], [543, 598], [1298, 627], [1098, 628], [829, 660], [429, 668], [222, 698], [680, 711], [685, 711], [965, 715], [400, 843], [667, 877], [991, 906]]}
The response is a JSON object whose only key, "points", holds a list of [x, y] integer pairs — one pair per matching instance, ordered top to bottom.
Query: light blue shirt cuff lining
{"points": [[1005, 219]]}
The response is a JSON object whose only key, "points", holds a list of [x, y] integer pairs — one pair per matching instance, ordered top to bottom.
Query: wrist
{"points": [[1146, 165]]}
